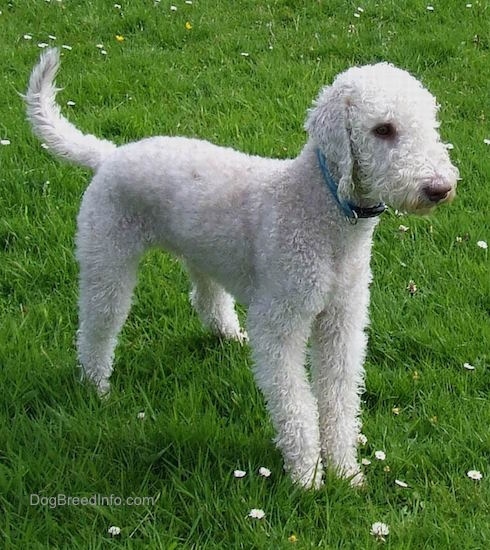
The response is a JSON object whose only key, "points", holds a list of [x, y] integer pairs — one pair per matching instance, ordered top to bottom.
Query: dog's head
{"points": [[378, 129]]}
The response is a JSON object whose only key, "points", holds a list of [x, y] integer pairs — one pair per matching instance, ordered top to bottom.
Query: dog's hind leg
{"points": [[108, 252], [215, 307]]}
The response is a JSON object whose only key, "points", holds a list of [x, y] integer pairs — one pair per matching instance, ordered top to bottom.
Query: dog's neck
{"points": [[348, 207]]}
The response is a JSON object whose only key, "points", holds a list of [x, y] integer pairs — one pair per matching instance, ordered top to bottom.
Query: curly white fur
{"points": [[267, 232]]}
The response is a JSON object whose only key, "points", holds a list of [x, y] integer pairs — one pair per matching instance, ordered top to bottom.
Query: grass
{"points": [[203, 414]]}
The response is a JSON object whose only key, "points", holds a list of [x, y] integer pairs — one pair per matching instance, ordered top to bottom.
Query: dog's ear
{"points": [[328, 125]]}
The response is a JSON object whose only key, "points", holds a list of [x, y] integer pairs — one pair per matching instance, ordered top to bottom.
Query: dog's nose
{"points": [[437, 192]]}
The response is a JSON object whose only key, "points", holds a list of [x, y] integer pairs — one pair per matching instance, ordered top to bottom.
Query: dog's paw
{"points": [[238, 335], [241, 336], [101, 385], [103, 389], [311, 479], [358, 480]]}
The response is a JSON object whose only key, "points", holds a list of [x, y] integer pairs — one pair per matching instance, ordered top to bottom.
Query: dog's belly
{"points": [[199, 201], [228, 261]]}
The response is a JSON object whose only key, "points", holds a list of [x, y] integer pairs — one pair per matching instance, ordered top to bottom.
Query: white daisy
{"points": [[482, 244], [467, 366], [362, 439], [380, 455], [264, 472], [239, 473], [474, 474], [401, 483], [256, 513], [380, 530], [114, 531]]}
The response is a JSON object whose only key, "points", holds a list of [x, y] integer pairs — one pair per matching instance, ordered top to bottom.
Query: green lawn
{"points": [[240, 74]]}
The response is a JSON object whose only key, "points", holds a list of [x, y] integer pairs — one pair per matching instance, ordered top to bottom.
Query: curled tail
{"points": [[60, 136]]}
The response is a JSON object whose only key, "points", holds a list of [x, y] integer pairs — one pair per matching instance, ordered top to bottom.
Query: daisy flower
{"points": [[412, 287], [362, 439], [475, 475], [401, 483], [256, 513], [380, 530]]}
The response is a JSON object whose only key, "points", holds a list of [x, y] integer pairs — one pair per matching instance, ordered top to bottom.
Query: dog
{"points": [[291, 239]]}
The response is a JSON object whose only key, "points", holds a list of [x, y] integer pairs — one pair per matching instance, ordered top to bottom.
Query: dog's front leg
{"points": [[278, 338], [338, 346]]}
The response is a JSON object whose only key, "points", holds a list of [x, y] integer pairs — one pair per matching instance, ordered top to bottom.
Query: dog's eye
{"points": [[384, 131]]}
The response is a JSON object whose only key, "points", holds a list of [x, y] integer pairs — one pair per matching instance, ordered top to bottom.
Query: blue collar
{"points": [[350, 210]]}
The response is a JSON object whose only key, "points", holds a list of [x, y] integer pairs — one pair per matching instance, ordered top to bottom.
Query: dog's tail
{"points": [[59, 135]]}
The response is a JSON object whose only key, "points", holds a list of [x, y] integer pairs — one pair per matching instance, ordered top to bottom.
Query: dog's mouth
{"points": [[427, 202]]}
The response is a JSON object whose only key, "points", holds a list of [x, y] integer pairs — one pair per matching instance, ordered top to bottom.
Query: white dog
{"points": [[289, 238]]}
